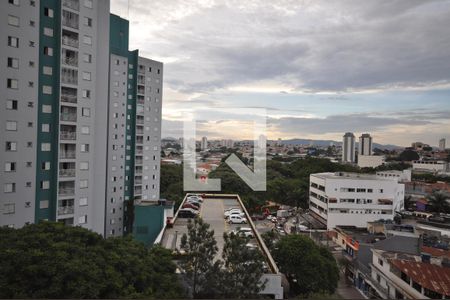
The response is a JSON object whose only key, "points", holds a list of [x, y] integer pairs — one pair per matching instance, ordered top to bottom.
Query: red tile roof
{"points": [[435, 251], [432, 277]]}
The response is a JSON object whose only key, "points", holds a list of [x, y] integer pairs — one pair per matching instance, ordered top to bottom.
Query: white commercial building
{"points": [[74, 130], [204, 143], [442, 144], [348, 148], [370, 161], [433, 166], [354, 199]]}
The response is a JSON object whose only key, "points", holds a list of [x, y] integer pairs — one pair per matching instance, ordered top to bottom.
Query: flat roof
{"points": [[350, 176], [212, 212]]}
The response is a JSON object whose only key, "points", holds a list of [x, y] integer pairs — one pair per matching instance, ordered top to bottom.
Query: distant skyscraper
{"points": [[204, 143], [365, 144], [442, 144], [348, 148]]}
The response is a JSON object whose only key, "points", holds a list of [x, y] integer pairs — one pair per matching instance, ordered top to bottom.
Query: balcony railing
{"points": [[73, 4], [73, 23], [69, 41], [70, 61], [69, 79], [68, 98], [68, 117], [139, 121], [68, 135], [139, 152], [67, 154], [138, 161], [138, 171], [67, 172], [138, 181], [69, 191], [65, 210]]}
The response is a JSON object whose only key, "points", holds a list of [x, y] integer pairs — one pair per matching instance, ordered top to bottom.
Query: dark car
{"points": [[190, 205], [187, 213]]}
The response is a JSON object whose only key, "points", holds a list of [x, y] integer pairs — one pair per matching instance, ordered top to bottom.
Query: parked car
{"points": [[199, 199], [193, 201], [191, 205], [231, 211], [187, 213], [235, 213], [259, 217], [235, 219], [244, 231], [251, 246]]}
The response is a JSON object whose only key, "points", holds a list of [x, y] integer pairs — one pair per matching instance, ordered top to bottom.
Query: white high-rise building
{"points": [[75, 132], [204, 143], [365, 144], [442, 144], [348, 148], [354, 199]]}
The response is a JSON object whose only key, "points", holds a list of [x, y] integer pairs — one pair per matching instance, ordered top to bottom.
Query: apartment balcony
{"points": [[72, 4], [70, 19], [69, 38], [70, 61], [141, 69], [69, 77], [141, 79], [141, 90], [140, 100], [68, 117], [140, 121], [140, 130], [68, 135], [139, 140], [139, 151], [67, 154], [138, 161], [138, 171], [67, 172], [138, 180], [138, 190], [66, 191], [65, 210]]}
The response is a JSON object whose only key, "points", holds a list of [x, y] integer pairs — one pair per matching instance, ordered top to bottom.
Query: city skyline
{"points": [[319, 69]]}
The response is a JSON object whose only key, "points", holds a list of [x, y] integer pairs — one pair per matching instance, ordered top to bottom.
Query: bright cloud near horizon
{"points": [[319, 68]]}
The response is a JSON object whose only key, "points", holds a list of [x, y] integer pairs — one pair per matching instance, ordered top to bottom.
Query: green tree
{"points": [[409, 155], [439, 202], [201, 248], [50, 260], [308, 267], [243, 268]]}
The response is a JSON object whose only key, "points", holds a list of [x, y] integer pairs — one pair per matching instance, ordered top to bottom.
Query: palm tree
{"points": [[439, 202]]}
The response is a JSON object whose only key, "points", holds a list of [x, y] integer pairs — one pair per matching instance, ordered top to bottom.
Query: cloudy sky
{"points": [[318, 68]]}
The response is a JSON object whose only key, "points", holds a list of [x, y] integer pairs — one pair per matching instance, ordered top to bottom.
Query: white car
{"points": [[197, 198], [231, 211], [235, 213], [235, 219], [245, 231]]}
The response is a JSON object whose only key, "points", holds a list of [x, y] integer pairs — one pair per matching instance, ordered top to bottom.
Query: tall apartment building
{"points": [[59, 127], [204, 143], [365, 144], [442, 144], [348, 148], [339, 199]]}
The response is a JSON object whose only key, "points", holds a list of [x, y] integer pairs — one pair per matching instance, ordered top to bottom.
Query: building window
{"points": [[14, 2], [88, 3], [48, 12], [13, 21], [87, 22], [48, 31], [87, 40], [13, 41], [48, 51], [87, 58], [13, 63], [46, 70], [87, 76], [12, 83], [47, 89], [86, 94], [11, 104], [47, 109], [86, 112], [11, 125], [45, 127], [85, 129], [11, 146], [45, 147], [84, 148], [84, 165], [45, 166], [10, 167], [45, 184], [83, 184], [9, 187], [83, 201], [43, 204], [9, 208], [82, 220], [380, 261]]}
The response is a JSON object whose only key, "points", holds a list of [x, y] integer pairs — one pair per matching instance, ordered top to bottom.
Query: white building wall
{"points": [[370, 161], [366, 206], [18, 207]]}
